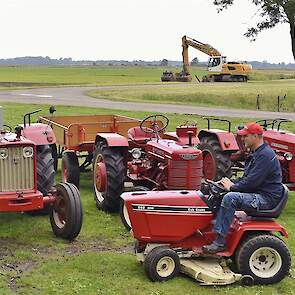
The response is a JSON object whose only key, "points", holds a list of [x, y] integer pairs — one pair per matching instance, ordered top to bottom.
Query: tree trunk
{"points": [[292, 33]]}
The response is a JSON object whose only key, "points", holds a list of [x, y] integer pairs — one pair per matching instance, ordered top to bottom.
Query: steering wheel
{"points": [[8, 127], [154, 129], [215, 184]]}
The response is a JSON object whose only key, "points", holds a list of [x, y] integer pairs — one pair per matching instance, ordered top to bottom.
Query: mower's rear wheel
{"points": [[216, 163], [70, 168], [109, 174], [123, 209], [66, 213], [266, 258], [161, 264]]}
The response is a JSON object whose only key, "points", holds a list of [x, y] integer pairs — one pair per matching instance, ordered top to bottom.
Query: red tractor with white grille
{"points": [[224, 152], [147, 160], [27, 177]]}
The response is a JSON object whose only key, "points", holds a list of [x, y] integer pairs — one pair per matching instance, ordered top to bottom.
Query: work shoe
{"points": [[213, 248]]}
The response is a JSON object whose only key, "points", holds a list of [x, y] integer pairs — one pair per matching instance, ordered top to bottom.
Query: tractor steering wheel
{"points": [[8, 127], [154, 127], [215, 184]]}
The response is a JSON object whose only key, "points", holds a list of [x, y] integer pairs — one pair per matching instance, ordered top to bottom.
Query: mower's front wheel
{"points": [[66, 213], [266, 258], [161, 264]]}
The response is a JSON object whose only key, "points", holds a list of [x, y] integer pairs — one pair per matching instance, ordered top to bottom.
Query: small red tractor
{"points": [[224, 151], [148, 159], [27, 177], [170, 228]]}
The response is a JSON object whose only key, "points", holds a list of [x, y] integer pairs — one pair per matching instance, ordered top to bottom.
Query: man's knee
{"points": [[230, 200]]}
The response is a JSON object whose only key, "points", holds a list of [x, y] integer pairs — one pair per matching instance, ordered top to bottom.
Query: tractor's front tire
{"points": [[216, 163], [70, 168], [109, 174], [66, 214], [265, 258], [161, 264]]}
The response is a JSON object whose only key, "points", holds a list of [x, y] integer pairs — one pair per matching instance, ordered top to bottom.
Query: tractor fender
{"points": [[40, 134], [112, 139], [226, 139], [252, 228]]}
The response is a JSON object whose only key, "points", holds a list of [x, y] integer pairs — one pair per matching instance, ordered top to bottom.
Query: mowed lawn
{"points": [[100, 261]]}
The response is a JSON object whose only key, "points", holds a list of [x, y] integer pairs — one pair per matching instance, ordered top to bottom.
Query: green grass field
{"points": [[100, 261]]}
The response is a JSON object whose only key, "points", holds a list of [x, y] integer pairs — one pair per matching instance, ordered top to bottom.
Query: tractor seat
{"points": [[137, 135], [276, 211]]}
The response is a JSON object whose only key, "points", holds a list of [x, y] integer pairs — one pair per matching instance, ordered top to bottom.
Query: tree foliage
{"points": [[271, 12]]}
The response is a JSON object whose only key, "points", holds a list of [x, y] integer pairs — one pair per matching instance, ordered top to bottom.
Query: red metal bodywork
{"points": [[39, 133], [112, 139], [182, 220]]}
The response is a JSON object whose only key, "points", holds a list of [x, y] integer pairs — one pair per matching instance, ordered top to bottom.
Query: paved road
{"points": [[75, 96]]}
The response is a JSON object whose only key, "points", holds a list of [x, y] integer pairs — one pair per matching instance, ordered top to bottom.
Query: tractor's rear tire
{"points": [[54, 156], [216, 163], [70, 168], [109, 174], [123, 210], [66, 214], [265, 258], [161, 264]]}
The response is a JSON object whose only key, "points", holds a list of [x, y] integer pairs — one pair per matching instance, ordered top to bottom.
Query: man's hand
{"points": [[227, 183]]}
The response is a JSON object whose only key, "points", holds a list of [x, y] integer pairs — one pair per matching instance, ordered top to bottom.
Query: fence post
{"points": [[258, 102], [278, 103]]}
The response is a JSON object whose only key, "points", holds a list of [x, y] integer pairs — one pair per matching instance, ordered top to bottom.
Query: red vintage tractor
{"points": [[224, 151], [146, 159], [27, 177], [170, 228]]}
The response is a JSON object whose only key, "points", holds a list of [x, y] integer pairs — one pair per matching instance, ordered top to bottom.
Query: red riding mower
{"points": [[27, 177], [172, 226]]}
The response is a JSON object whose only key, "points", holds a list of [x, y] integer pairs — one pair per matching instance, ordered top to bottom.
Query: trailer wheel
{"points": [[216, 163], [70, 168], [109, 174], [123, 209], [66, 214], [266, 258], [161, 264]]}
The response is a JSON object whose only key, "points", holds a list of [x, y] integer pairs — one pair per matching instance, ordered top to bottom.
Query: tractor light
{"points": [[28, 152], [3, 153], [136, 153], [288, 156]]}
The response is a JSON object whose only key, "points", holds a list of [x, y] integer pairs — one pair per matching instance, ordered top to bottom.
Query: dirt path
{"points": [[75, 96]]}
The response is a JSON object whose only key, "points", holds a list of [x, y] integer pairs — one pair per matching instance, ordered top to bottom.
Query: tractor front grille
{"points": [[16, 170], [185, 174]]}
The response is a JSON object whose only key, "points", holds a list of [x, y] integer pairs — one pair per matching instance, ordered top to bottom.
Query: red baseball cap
{"points": [[251, 128]]}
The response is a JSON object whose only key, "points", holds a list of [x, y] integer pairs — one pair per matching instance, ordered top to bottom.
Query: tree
{"points": [[272, 12], [164, 62], [195, 62]]}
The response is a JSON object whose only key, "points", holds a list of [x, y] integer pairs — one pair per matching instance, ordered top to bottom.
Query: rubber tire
{"points": [[54, 156], [71, 163], [223, 165], [45, 169], [116, 174], [73, 212], [122, 216], [253, 243], [153, 257]]}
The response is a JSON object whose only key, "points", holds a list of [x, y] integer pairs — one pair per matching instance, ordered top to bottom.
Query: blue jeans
{"points": [[233, 201]]}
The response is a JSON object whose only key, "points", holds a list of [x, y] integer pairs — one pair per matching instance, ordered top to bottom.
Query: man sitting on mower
{"points": [[260, 188]]}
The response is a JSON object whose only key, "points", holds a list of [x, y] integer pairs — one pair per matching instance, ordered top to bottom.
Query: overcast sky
{"points": [[134, 29]]}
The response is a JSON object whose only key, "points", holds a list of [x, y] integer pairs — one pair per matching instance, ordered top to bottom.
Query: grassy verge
{"points": [[100, 261]]}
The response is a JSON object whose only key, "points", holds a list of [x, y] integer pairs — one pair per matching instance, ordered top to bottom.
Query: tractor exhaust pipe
{"points": [[1, 119]]}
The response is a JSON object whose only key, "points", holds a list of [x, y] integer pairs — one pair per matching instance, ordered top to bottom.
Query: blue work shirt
{"points": [[262, 175]]}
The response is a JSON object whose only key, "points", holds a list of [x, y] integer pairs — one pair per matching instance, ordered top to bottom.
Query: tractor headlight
{"points": [[28, 152], [3, 153], [136, 153], [288, 156]]}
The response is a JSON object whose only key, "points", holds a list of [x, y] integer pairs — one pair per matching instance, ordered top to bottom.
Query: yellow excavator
{"points": [[219, 69]]}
